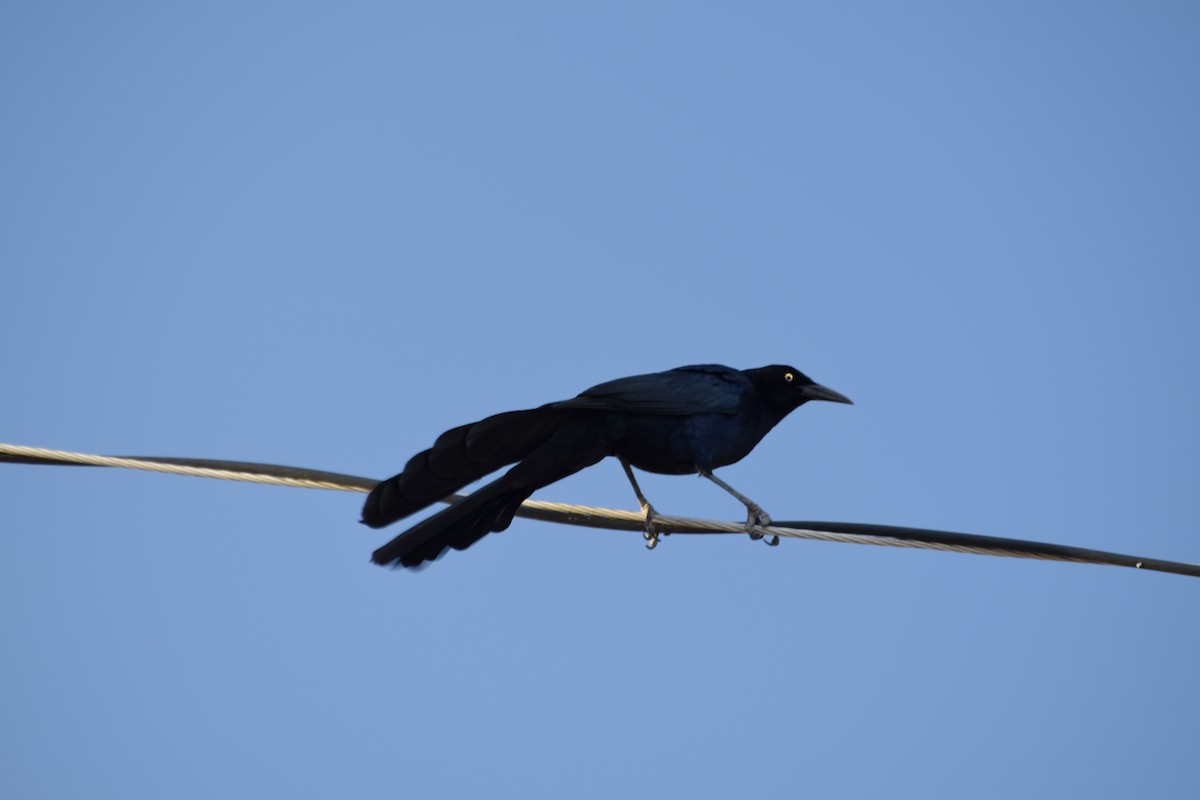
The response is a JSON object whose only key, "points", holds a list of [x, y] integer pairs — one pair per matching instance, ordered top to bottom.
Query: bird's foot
{"points": [[757, 518], [649, 531]]}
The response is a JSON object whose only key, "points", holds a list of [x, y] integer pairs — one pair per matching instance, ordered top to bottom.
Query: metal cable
{"points": [[590, 516]]}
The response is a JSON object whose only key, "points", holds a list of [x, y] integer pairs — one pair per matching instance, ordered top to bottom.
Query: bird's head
{"points": [[787, 388]]}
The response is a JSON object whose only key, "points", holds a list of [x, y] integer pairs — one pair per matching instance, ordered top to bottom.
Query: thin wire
{"points": [[195, 467], [591, 516]]}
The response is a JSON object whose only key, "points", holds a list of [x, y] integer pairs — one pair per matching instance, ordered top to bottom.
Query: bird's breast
{"points": [[676, 445]]}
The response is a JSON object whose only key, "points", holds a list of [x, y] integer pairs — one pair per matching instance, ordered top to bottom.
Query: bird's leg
{"points": [[755, 516], [649, 532]]}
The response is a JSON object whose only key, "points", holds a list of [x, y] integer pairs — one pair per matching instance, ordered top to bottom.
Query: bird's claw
{"points": [[757, 518], [649, 532]]}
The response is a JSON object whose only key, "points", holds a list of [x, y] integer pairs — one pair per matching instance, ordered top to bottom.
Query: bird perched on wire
{"points": [[683, 421]]}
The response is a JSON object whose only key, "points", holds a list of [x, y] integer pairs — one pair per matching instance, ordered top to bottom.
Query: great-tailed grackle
{"points": [[687, 420]]}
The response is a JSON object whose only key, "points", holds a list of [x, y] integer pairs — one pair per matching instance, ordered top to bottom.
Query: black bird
{"points": [[687, 420]]}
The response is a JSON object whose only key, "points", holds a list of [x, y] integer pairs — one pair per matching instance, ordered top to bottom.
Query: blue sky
{"points": [[321, 234]]}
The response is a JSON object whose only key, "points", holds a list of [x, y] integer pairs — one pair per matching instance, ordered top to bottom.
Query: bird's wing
{"points": [[702, 389]]}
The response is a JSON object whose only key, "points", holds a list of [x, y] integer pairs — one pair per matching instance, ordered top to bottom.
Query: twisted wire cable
{"points": [[615, 519]]}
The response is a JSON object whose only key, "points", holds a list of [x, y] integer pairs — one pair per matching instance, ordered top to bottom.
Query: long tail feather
{"points": [[460, 456], [491, 508], [458, 526]]}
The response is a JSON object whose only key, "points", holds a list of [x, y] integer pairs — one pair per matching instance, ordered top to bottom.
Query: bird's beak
{"points": [[818, 392]]}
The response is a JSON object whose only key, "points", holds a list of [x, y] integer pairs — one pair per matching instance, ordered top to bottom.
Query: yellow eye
{"points": [[789, 377]]}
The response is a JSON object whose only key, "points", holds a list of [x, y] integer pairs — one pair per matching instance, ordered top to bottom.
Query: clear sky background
{"points": [[321, 234]]}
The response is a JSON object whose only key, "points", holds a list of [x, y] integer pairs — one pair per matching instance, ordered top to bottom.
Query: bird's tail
{"points": [[569, 449], [459, 457], [459, 526]]}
